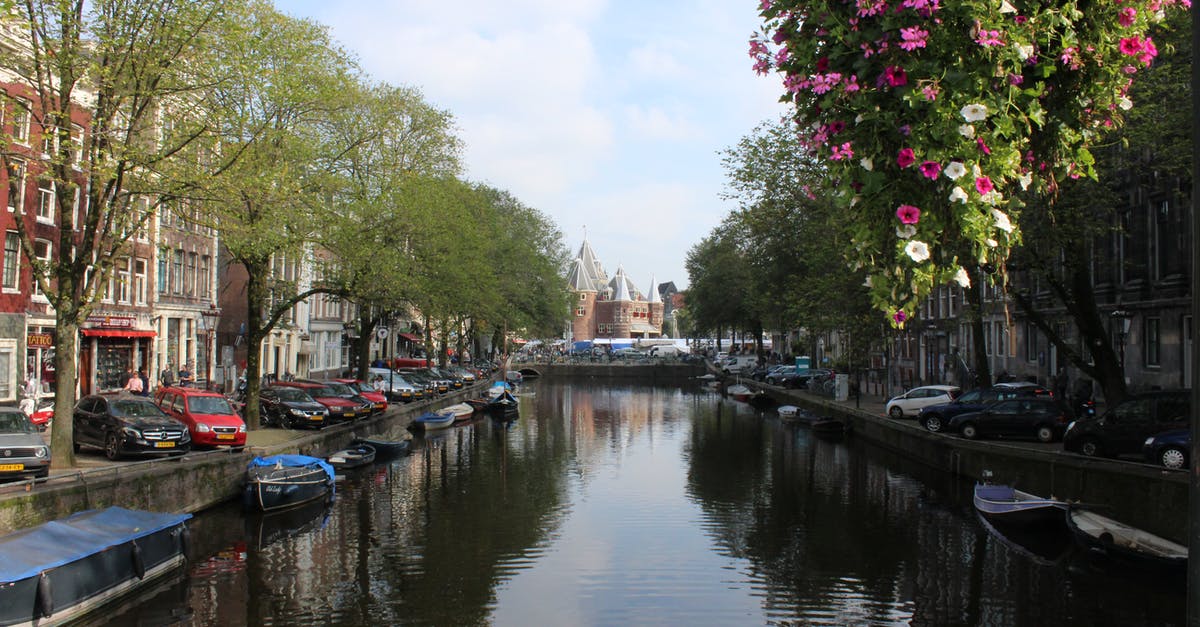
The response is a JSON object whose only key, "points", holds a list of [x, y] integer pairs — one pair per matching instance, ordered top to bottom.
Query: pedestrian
{"points": [[166, 378], [186, 378], [145, 381], [133, 384], [378, 384], [1061, 384], [31, 391]]}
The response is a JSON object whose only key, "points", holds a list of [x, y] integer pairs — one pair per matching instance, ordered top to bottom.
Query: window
{"points": [[20, 122], [49, 140], [77, 145], [16, 185], [45, 206], [41, 250], [163, 253], [12, 257], [123, 271], [177, 272], [205, 277], [189, 278], [139, 281], [107, 295], [582, 296], [579, 311], [1153, 340], [1031, 342], [8, 370]]}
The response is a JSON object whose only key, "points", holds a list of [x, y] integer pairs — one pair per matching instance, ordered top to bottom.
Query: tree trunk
{"points": [[256, 296], [974, 310], [362, 343], [66, 374]]}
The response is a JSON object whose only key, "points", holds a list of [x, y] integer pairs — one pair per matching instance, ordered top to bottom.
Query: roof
{"points": [[586, 274]]}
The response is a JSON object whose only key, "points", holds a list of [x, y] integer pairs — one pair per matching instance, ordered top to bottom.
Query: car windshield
{"points": [[340, 389], [322, 390], [293, 394], [211, 405], [134, 409], [15, 422]]}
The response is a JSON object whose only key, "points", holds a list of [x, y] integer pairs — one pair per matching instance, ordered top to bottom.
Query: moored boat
{"points": [[739, 392], [504, 406], [461, 411], [431, 421], [385, 449], [353, 457], [282, 481], [1011, 507], [1124, 545], [60, 570]]}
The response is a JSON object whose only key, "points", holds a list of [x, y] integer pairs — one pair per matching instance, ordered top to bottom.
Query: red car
{"points": [[378, 400], [339, 408], [209, 417]]}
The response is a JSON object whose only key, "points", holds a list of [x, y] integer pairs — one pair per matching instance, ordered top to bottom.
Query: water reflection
{"points": [[612, 504]]}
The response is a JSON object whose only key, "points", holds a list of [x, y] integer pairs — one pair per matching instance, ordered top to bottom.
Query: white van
{"points": [[665, 350], [739, 363]]}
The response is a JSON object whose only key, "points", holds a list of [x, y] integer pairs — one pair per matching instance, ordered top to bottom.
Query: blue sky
{"points": [[604, 114]]}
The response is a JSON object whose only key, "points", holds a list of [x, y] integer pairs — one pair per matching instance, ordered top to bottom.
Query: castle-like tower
{"points": [[604, 308]]}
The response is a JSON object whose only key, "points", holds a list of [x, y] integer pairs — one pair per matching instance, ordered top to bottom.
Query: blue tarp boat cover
{"points": [[621, 343], [581, 346], [293, 461], [995, 492], [26, 553]]}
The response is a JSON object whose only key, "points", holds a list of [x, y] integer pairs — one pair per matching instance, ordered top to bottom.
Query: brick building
{"points": [[610, 309]]}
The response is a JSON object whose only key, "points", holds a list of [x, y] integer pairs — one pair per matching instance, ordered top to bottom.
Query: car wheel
{"points": [[896, 412], [934, 423], [969, 431], [1045, 434], [112, 447], [1090, 447], [1173, 457]]}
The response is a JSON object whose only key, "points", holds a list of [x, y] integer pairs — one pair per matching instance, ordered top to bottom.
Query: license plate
{"points": [[315, 418], [224, 436], [164, 445], [9, 467]]}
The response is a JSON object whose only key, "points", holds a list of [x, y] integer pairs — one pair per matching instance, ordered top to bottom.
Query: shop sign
{"points": [[111, 322], [39, 340]]}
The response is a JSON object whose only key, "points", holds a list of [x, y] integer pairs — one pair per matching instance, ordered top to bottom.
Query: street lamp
{"points": [[211, 316], [1121, 320]]}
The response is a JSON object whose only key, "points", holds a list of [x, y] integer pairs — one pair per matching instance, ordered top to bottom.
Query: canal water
{"points": [[625, 504]]}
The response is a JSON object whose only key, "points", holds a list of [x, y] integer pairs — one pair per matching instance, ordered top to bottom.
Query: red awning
{"points": [[117, 333], [410, 337]]}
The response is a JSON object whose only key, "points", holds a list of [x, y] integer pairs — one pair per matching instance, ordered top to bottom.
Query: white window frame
{"points": [[20, 121], [47, 199], [16, 204], [12, 264], [124, 268], [139, 280], [36, 289], [8, 376]]}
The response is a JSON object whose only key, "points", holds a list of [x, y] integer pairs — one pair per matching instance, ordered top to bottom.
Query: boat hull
{"points": [[385, 449], [356, 457], [271, 489], [1006, 506], [1120, 545], [152, 546]]}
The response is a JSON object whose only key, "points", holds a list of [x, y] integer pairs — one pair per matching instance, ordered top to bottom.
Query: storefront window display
{"points": [[113, 363]]}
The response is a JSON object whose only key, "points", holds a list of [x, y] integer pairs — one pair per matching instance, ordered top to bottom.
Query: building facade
{"points": [[604, 309]]}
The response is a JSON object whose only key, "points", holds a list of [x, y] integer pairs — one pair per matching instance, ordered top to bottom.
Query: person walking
{"points": [[141, 374], [166, 378], [186, 378], [133, 384]]}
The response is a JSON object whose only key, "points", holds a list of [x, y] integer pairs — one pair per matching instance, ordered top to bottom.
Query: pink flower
{"points": [[1126, 16], [912, 38], [989, 38], [1131, 45], [1149, 51], [895, 76], [930, 92], [983, 146], [842, 152], [906, 157], [930, 169], [983, 185], [908, 214], [899, 317]]}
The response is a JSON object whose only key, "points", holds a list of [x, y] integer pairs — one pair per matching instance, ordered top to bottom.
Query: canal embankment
{"points": [[191, 482]]}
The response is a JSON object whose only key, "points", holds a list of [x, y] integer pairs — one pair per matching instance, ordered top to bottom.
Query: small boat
{"points": [[514, 376], [739, 392], [479, 404], [504, 406], [461, 411], [796, 414], [431, 421], [385, 449], [353, 457], [282, 481], [1011, 507], [1124, 545], [1042, 546], [60, 570]]}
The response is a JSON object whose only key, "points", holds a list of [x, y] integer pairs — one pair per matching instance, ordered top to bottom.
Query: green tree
{"points": [[96, 77]]}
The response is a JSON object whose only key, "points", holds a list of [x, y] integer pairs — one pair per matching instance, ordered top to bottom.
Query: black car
{"points": [[776, 373], [801, 377], [290, 407], [935, 417], [1043, 418], [127, 425], [1123, 429], [1169, 448]]}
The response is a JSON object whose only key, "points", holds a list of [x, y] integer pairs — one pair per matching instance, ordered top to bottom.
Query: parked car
{"points": [[775, 374], [450, 376], [801, 377], [433, 381], [397, 387], [379, 400], [913, 401], [291, 407], [364, 407], [339, 409], [935, 417], [1044, 418], [210, 419], [127, 425], [1123, 429], [1169, 448], [25, 452]]}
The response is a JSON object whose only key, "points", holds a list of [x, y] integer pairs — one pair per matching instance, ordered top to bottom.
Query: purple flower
{"points": [[905, 158], [930, 169], [908, 214], [899, 317]]}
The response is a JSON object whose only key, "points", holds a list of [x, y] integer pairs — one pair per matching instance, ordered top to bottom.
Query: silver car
{"points": [[23, 452]]}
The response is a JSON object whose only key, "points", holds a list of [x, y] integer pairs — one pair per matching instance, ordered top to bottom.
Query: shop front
{"points": [[110, 350]]}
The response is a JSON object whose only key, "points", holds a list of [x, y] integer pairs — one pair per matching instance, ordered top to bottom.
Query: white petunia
{"points": [[1006, 7], [1024, 51], [1125, 103], [974, 112], [858, 119], [966, 130], [867, 164], [954, 170], [1025, 180], [958, 195], [993, 197], [1002, 221], [906, 231], [991, 242], [917, 251], [962, 278], [867, 282]]}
